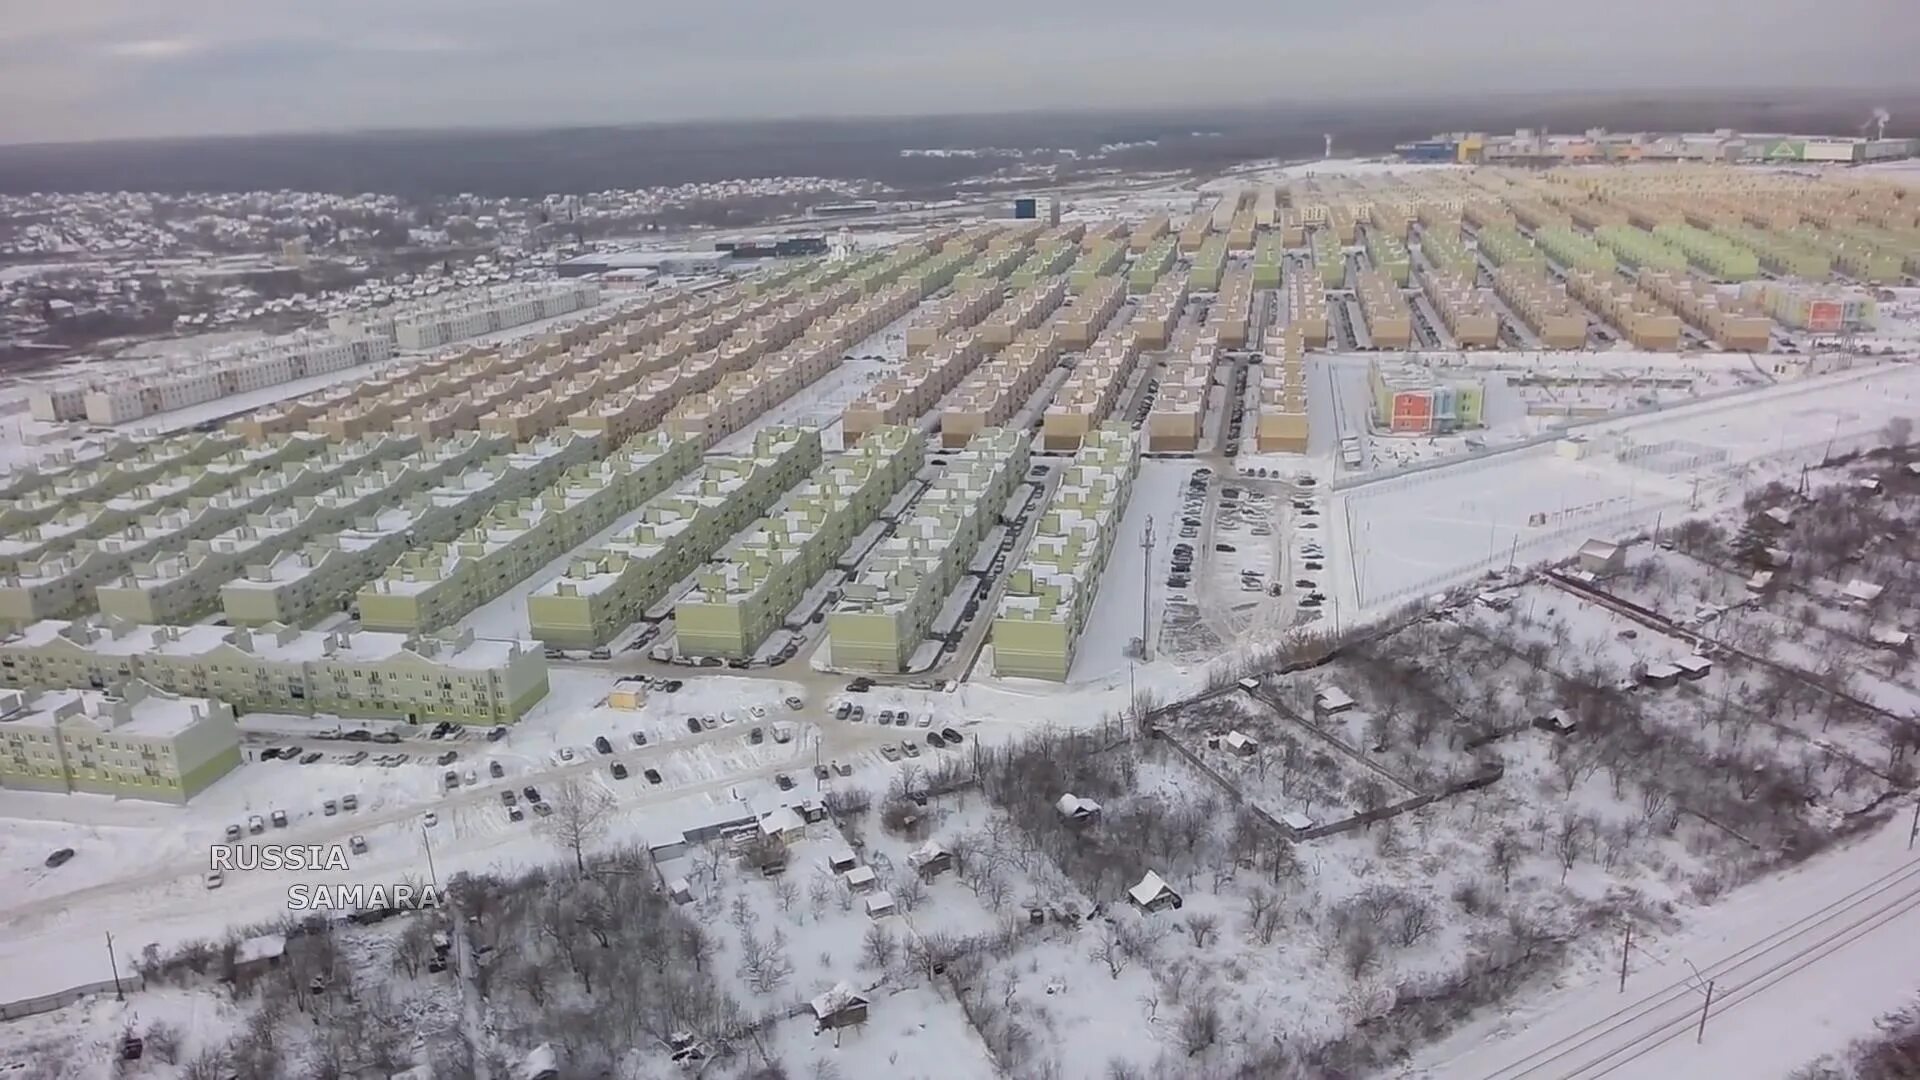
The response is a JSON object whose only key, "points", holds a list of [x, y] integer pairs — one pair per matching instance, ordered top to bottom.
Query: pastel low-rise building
{"points": [[130, 742]]}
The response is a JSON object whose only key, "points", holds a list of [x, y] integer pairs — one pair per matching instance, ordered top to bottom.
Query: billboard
{"points": [[1825, 316]]}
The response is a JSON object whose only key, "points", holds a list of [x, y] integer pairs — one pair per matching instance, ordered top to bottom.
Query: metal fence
{"points": [[14, 1010]]}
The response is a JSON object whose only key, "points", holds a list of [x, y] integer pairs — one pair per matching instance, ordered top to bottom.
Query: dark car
{"points": [[1225, 547], [693, 724], [496, 734], [358, 735], [756, 736], [951, 736], [387, 737], [639, 738], [934, 740], [601, 744], [270, 753], [312, 757], [449, 757], [496, 770], [619, 771], [821, 772], [652, 775], [785, 781], [530, 793], [508, 798], [542, 809], [59, 858]]}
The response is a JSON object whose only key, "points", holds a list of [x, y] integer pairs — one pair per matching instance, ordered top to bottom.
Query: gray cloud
{"points": [[110, 68]]}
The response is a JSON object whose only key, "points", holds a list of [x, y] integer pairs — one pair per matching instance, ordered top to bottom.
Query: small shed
{"points": [[1870, 484], [1778, 515], [1602, 557], [1778, 558], [1760, 581], [1861, 592], [1494, 601], [1888, 636], [1694, 666], [1660, 674], [628, 697], [1332, 699], [1555, 723], [1240, 743], [1074, 808], [1297, 822], [782, 823], [841, 860], [931, 860], [861, 879], [679, 891], [1153, 894], [880, 905], [257, 955], [842, 1006]]}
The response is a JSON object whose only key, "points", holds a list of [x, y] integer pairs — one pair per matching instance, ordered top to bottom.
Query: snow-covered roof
{"points": [[1780, 515], [1599, 549], [1760, 579], [1865, 591], [1887, 634], [1693, 663], [1662, 671], [1332, 697], [1238, 740], [1072, 805], [780, 821], [1297, 821], [926, 853], [840, 855], [860, 875], [1150, 888], [880, 903], [264, 947], [842, 996]]}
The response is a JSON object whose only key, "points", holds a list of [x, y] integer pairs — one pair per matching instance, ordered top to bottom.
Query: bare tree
{"points": [[580, 816], [1568, 841], [1504, 854], [786, 892], [1414, 922], [1201, 926], [879, 947], [1108, 948], [1199, 1027], [163, 1041]]}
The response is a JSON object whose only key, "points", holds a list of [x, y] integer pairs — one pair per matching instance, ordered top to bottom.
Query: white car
{"points": [[758, 712], [926, 720], [430, 820], [214, 878]]}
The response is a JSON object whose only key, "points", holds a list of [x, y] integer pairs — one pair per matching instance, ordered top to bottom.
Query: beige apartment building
{"points": [[1149, 232], [1542, 304], [965, 307], [1028, 308], [1232, 308], [1307, 309], [1465, 310], [1157, 313], [1389, 320], [1645, 322], [1736, 323], [1281, 382], [915, 387], [999, 388], [1092, 389], [1177, 420], [764, 574], [907, 585], [608, 588], [1050, 594], [276, 668], [133, 742]]}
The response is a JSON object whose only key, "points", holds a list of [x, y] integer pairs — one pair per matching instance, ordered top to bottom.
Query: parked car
{"points": [[601, 653], [794, 703], [843, 711], [859, 714], [886, 717], [926, 720], [709, 723], [693, 724], [496, 734], [951, 736], [387, 737], [639, 737], [756, 737], [934, 740], [601, 744], [909, 748], [890, 752], [566, 753], [449, 757], [842, 768], [496, 770], [619, 771], [820, 772], [652, 775], [471, 778], [450, 779], [784, 781], [530, 793], [508, 798], [330, 808], [541, 809], [514, 813], [279, 819], [430, 819], [256, 824], [235, 832], [358, 845], [61, 857], [214, 879]]}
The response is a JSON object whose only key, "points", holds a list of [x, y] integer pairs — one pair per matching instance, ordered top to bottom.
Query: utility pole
{"points": [[1146, 592], [1915, 831], [432, 874], [1625, 948], [119, 994], [1701, 1034]]}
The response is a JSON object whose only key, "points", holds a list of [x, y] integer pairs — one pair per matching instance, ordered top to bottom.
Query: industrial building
{"points": [[1539, 148], [908, 584], [1050, 594], [737, 601], [277, 668], [130, 742]]}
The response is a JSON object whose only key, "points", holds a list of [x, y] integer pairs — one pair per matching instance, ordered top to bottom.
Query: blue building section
{"points": [[1431, 150], [1026, 209], [1446, 411]]}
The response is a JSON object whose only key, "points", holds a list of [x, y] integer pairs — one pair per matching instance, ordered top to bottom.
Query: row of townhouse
{"points": [[1199, 226], [1148, 232], [1389, 254], [1104, 258], [1049, 259], [1329, 260], [1269, 261], [1209, 264], [1151, 265], [1541, 303], [965, 306], [1028, 308], [1307, 309], [1232, 310], [1466, 310], [469, 313], [1157, 313], [1389, 320], [1643, 321], [1736, 323], [1280, 381], [914, 387], [1092, 389], [133, 393], [993, 393], [1177, 419], [96, 471], [41, 524], [763, 575], [321, 577], [63, 584], [183, 584], [437, 585], [609, 587], [904, 587], [1050, 595], [275, 668], [131, 742]]}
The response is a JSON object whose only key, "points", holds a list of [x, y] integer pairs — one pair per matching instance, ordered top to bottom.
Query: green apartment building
{"points": [[436, 586], [606, 589], [1050, 594], [737, 602], [890, 608], [420, 679], [135, 742]]}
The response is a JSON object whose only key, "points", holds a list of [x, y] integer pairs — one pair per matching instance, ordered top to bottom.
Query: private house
{"points": [[1153, 894]]}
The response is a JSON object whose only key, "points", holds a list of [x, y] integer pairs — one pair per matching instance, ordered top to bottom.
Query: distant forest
{"points": [[560, 160]]}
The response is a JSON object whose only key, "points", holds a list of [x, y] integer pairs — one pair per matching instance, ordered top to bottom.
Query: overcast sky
{"points": [[89, 69]]}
